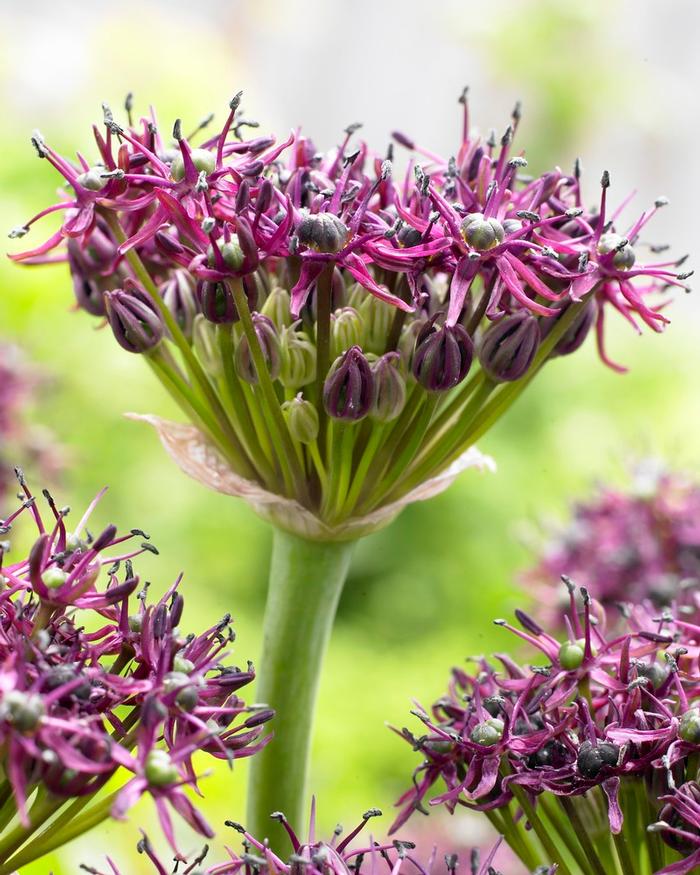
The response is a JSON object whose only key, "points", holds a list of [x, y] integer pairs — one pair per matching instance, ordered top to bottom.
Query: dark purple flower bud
{"points": [[322, 232], [409, 236], [167, 243], [179, 296], [217, 303], [135, 322], [576, 333], [269, 341], [509, 346], [442, 357], [349, 388], [389, 388], [592, 758], [689, 795]]}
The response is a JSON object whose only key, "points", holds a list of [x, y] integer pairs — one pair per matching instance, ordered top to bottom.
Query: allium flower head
{"points": [[248, 271], [628, 545], [96, 682], [602, 735], [340, 855]]}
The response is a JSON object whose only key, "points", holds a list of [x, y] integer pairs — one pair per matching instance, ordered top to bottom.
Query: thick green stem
{"points": [[306, 579]]}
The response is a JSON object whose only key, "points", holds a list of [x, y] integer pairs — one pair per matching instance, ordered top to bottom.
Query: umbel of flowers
{"points": [[338, 337], [631, 544], [98, 684], [589, 758], [341, 855]]}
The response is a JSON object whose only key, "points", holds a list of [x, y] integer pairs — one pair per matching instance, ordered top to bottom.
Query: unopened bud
{"points": [[202, 159], [93, 179], [322, 232], [481, 233], [179, 296], [217, 302], [277, 308], [378, 317], [136, 324], [347, 330], [576, 333], [269, 341], [407, 343], [205, 344], [509, 346], [442, 357], [298, 359], [349, 387], [389, 388], [302, 419], [54, 577], [571, 654], [22, 710], [689, 728], [159, 770]]}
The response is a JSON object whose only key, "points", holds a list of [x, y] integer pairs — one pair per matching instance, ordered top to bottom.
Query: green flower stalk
{"points": [[337, 341]]}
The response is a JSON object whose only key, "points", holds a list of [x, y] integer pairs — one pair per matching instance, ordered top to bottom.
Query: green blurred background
{"points": [[611, 82]]}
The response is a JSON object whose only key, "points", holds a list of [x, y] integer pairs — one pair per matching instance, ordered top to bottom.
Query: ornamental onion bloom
{"points": [[248, 271], [629, 545], [98, 682], [587, 758], [336, 856]]}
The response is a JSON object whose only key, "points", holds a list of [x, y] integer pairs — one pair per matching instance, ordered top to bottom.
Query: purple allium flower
{"points": [[458, 254], [629, 545], [94, 680], [606, 721], [336, 856]]}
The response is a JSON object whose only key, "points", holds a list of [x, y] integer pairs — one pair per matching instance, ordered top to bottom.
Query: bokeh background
{"points": [[614, 82]]}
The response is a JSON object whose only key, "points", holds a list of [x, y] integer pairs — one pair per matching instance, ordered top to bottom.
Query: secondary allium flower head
{"points": [[250, 272], [20, 383], [627, 545], [95, 681], [604, 732], [341, 855]]}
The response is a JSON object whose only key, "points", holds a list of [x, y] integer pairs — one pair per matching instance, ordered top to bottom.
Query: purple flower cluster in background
{"points": [[628, 545], [95, 681], [605, 732]]}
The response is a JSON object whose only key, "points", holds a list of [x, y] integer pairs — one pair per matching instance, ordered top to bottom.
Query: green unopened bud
{"points": [[202, 160], [93, 179], [481, 233], [231, 253], [624, 257], [276, 308], [377, 317], [347, 330], [407, 343], [205, 345], [298, 359], [389, 388], [302, 419], [54, 578], [135, 622], [571, 655], [182, 664], [654, 671], [22, 710], [689, 729], [489, 732], [160, 769]]}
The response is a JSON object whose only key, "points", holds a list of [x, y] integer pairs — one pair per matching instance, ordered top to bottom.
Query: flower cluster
{"points": [[339, 335], [18, 385], [629, 545], [97, 682], [596, 749], [313, 857]]}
